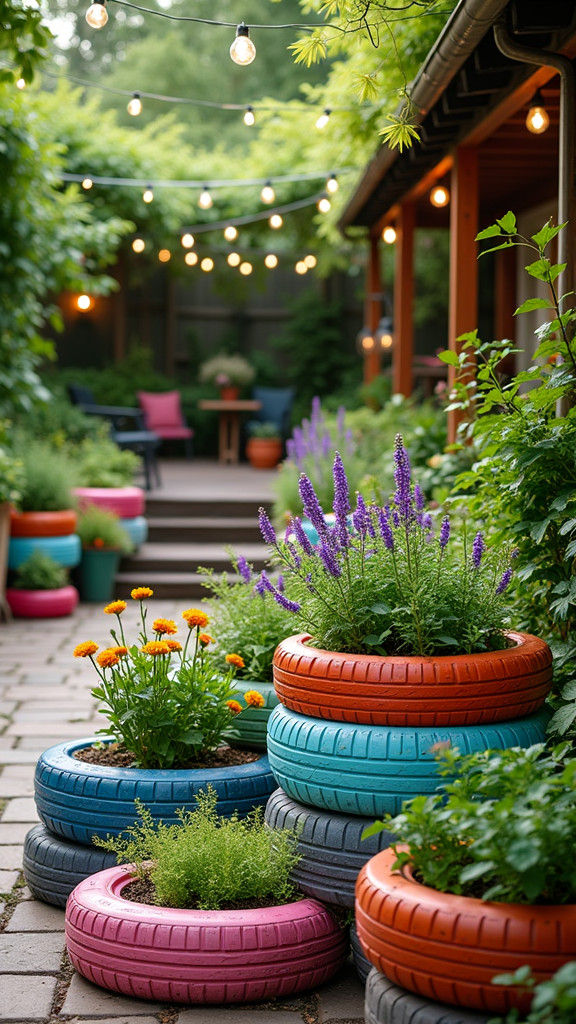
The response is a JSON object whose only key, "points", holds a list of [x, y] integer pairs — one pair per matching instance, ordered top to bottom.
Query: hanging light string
{"points": [[207, 183], [250, 218]]}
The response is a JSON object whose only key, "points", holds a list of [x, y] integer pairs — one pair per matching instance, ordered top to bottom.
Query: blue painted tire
{"points": [[137, 529], [66, 550], [248, 730], [372, 769], [77, 800], [53, 867], [387, 1003]]}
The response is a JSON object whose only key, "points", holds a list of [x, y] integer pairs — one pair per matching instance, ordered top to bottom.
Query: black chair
{"points": [[127, 429]]}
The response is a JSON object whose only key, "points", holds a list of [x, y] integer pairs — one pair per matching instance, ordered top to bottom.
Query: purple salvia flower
{"points": [[299, 445], [325, 445], [350, 446], [290, 450], [402, 497], [341, 500], [419, 500], [311, 505], [360, 516], [396, 519], [370, 520], [426, 521], [266, 529], [297, 530], [385, 530], [444, 532], [477, 549], [294, 554], [330, 561], [244, 569], [505, 580], [280, 583], [263, 584], [290, 606]]}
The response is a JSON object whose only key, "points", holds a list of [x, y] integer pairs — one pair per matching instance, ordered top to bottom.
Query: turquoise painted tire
{"points": [[137, 529], [66, 550], [248, 730], [372, 769]]}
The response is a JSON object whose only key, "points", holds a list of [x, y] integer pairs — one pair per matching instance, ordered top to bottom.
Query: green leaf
{"points": [[310, 50], [399, 134], [507, 223], [490, 232], [546, 234], [540, 269], [531, 304], [447, 356], [379, 608], [373, 830], [473, 871]]}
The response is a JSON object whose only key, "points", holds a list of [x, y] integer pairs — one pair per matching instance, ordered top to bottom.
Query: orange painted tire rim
{"points": [[43, 524], [465, 689]]}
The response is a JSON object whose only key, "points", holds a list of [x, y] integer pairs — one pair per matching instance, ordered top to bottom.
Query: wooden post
{"points": [[463, 304], [372, 308], [119, 311], [403, 351]]}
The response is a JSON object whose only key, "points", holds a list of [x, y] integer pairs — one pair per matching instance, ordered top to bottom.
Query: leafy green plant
{"points": [[226, 371], [265, 430], [99, 462], [47, 478], [12, 479], [99, 528], [40, 572], [167, 703], [503, 828], [208, 861], [553, 1002]]}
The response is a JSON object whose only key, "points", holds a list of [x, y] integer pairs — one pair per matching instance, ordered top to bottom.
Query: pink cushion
{"points": [[161, 409]]}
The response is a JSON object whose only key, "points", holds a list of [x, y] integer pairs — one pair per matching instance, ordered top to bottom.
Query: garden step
{"points": [[213, 508], [203, 529], [186, 586]]}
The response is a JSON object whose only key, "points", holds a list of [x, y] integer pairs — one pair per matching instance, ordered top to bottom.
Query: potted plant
{"points": [[228, 373], [264, 446], [104, 476], [46, 517], [103, 540], [41, 589], [479, 877], [206, 911]]}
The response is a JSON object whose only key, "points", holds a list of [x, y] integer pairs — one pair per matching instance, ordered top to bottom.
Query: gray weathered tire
{"points": [[53, 867], [361, 961], [386, 1003]]}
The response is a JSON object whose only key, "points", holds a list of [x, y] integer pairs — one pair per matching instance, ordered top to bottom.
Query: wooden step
{"points": [[178, 506], [233, 530], [185, 558], [186, 586]]}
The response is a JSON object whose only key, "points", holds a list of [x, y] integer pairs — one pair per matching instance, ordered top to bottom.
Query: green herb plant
{"points": [[267, 429], [99, 462], [47, 478], [99, 528], [40, 572], [208, 861], [553, 1001]]}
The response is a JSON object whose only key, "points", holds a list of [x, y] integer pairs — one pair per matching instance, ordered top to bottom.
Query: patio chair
{"points": [[276, 408], [163, 415], [127, 429]]}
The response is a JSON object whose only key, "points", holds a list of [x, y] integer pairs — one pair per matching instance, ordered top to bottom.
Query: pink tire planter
{"points": [[126, 502], [42, 604], [198, 956]]}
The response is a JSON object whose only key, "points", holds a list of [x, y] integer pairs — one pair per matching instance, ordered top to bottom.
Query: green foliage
{"points": [[24, 39], [225, 371], [116, 384], [59, 422], [267, 429], [99, 462], [47, 477], [12, 479], [99, 528], [40, 572], [503, 828], [208, 861], [554, 1000]]}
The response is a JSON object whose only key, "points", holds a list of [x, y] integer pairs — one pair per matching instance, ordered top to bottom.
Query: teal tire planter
{"points": [[137, 529], [66, 549], [96, 574], [248, 731], [53, 866]]}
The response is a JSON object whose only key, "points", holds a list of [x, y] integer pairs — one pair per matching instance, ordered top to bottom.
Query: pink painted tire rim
{"points": [[126, 502], [42, 604]]}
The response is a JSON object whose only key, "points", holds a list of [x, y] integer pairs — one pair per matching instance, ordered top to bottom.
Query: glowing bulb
{"points": [[97, 15], [242, 50], [20, 83], [135, 105], [249, 118], [323, 119], [537, 120], [87, 183], [332, 184], [148, 194], [268, 194], [439, 196], [205, 201], [324, 204], [275, 221], [230, 233], [389, 235], [187, 240], [138, 245], [164, 255], [191, 258], [233, 259], [271, 261], [310, 261], [207, 264], [301, 267], [245, 268], [84, 302]]}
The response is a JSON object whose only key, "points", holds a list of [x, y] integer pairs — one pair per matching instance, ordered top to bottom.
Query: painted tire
{"points": [[126, 502], [43, 524], [137, 529], [66, 550], [42, 604], [462, 690], [248, 731], [372, 769], [77, 800], [331, 848], [54, 866], [448, 948], [198, 956], [361, 963], [385, 1003]]}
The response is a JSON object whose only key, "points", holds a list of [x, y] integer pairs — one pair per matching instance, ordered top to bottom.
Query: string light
{"points": [[97, 15], [242, 50], [20, 83], [135, 105], [249, 118], [323, 119], [537, 120], [87, 183], [332, 184], [148, 194], [268, 194], [439, 196], [205, 200], [323, 204], [275, 221], [230, 233], [389, 235], [187, 240], [138, 245], [164, 255], [191, 258], [233, 259], [271, 260], [310, 261], [207, 264], [301, 267], [245, 268], [83, 303]]}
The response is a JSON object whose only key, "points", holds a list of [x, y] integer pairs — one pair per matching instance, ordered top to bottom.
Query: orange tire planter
{"points": [[43, 524], [464, 689], [448, 948]]}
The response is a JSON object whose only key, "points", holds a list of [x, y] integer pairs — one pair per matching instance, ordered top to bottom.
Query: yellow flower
{"points": [[139, 593], [115, 608], [195, 617], [164, 626], [205, 639], [173, 645], [155, 647], [86, 649], [120, 651], [108, 658], [236, 660], [254, 699], [234, 706]]}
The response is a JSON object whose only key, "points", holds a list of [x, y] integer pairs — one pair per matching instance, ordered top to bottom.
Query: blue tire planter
{"points": [[137, 529], [65, 550], [248, 731], [371, 770], [77, 800], [53, 867], [386, 1003]]}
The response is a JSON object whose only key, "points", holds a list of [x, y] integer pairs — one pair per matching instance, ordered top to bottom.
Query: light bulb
{"points": [[97, 15], [242, 50], [20, 83], [135, 105], [249, 118], [323, 119], [537, 120], [87, 183], [332, 184], [148, 194], [268, 194], [439, 196], [205, 201], [324, 204], [275, 221], [230, 233], [389, 235], [187, 240], [138, 245], [164, 255], [191, 258], [233, 259], [271, 260], [310, 261], [207, 264], [301, 267], [245, 268], [83, 303]]}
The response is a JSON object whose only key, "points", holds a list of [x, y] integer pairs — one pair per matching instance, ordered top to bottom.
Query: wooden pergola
{"points": [[473, 93]]}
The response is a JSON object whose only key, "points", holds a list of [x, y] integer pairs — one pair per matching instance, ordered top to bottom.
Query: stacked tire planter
{"points": [[126, 502], [51, 532], [248, 731], [355, 736]]}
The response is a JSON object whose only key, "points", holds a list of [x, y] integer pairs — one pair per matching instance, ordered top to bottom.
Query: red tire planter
{"points": [[126, 502], [43, 524], [42, 604], [465, 689], [448, 948], [198, 956]]}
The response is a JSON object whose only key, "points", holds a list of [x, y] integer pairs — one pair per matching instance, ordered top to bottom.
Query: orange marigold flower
{"points": [[97, 542], [140, 593], [115, 608], [195, 617], [164, 626], [205, 639], [173, 645], [155, 647], [86, 649], [120, 651], [108, 658], [236, 660], [254, 699], [234, 706]]}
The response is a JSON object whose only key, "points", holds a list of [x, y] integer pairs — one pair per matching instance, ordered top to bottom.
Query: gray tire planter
{"points": [[137, 529], [66, 550], [248, 730], [369, 769], [77, 800], [331, 847], [54, 866], [198, 956], [361, 961], [386, 1003]]}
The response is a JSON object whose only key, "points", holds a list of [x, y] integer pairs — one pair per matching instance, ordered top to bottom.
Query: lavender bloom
{"points": [[340, 419], [326, 445], [298, 446], [350, 446], [290, 450], [402, 497], [418, 498], [341, 501], [311, 505], [360, 516], [396, 519], [426, 521], [266, 528], [297, 530], [385, 530], [444, 532], [478, 549], [329, 560], [244, 569], [505, 580], [280, 583], [263, 584], [290, 606]]}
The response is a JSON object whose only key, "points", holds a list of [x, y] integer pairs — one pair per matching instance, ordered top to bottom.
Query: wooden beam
{"points": [[463, 301], [372, 308], [403, 351]]}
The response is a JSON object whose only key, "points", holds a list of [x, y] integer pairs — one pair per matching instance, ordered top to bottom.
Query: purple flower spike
{"points": [[418, 497], [402, 498], [341, 501], [311, 505], [360, 516], [426, 521], [266, 528], [297, 530], [385, 530], [444, 532], [478, 549], [330, 561], [244, 569], [505, 580], [280, 583], [263, 584], [290, 606]]}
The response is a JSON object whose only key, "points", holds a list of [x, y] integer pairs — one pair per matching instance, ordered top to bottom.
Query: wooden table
{"points": [[229, 425]]}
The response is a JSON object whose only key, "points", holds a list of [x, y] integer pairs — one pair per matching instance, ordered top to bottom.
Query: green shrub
{"points": [[99, 462], [47, 478], [98, 528], [40, 572], [554, 1000]]}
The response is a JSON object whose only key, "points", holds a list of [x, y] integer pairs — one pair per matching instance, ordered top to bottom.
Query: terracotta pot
{"points": [[230, 394], [264, 452], [43, 524], [42, 604], [465, 689], [448, 948]]}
